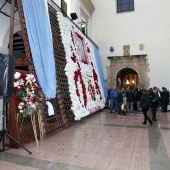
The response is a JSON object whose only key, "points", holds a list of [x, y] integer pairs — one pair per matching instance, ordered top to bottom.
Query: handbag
{"points": [[123, 107]]}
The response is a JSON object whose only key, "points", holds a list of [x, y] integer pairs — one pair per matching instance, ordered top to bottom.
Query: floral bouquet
{"points": [[27, 95], [28, 99]]}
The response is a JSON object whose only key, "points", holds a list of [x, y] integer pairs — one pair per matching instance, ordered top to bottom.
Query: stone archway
{"points": [[138, 63], [127, 77]]}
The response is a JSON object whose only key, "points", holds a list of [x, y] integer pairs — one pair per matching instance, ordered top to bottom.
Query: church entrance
{"points": [[128, 71], [127, 77]]}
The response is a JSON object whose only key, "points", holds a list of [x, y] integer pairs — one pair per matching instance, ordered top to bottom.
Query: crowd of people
{"points": [[129, 100]]}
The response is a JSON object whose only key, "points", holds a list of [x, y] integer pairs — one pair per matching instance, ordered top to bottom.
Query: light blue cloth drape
{"points": [[40, 40], [99, 68]]}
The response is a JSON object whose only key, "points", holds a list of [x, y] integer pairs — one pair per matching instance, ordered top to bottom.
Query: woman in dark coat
{"points": [[145, 104]]}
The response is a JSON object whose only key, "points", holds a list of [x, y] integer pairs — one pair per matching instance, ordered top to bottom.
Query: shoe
{"points": [[110, 112], [154, 120], [144, 123], [151, 123]]}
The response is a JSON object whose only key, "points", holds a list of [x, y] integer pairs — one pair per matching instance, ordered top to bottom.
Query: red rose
{"points": [[23, 76], [16, 89]]}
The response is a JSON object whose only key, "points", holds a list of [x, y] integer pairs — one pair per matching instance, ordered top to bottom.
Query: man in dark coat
{"points": [[130, 97], [164, 99], [155, 102]]}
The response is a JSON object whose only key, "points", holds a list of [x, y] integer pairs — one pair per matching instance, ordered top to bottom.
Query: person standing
{"points": [[138, 96], [159, 98], [108, 99], [113, 99], [164, 99], [124, 100], [135, 100], [119, 103], [155, 103], [129, 104], [145, 104]]}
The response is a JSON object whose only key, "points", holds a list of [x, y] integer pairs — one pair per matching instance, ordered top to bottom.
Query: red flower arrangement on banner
{"points": [[81, 71], [27, 96]]}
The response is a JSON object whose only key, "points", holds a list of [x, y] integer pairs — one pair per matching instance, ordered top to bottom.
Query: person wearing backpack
{"points": [[113, 99], [145, 104]]}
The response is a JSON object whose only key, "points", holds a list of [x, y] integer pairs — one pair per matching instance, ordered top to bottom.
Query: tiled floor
{"points": [[100, 141]]}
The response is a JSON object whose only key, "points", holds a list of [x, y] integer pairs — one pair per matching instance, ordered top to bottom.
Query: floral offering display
{"points": [[84, 84], [27, 94], [28, 100]]}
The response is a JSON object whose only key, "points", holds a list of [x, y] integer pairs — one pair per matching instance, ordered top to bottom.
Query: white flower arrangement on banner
{"points": [[84, 83]]}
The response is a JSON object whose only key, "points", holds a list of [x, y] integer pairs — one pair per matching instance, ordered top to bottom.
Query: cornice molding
{"points": [[88, 6], [125, 57]]}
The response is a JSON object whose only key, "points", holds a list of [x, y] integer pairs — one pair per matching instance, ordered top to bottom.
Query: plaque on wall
{"points": [[126, 50]]}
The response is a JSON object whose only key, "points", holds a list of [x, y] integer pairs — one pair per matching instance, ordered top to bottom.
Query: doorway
{"points": [[124, 70], [127, 77]]}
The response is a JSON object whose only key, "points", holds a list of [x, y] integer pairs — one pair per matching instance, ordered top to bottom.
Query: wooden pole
{"points": [[11, 27], [24, 33], [12, 115]]}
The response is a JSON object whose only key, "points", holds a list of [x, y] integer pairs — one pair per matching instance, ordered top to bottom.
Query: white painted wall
{"points": [[76, 5], [4, 23], [148, 24], [5, 26]]}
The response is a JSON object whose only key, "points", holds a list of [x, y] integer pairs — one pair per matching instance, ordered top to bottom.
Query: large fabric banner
{"points": [[40, 39], [99, 68]]}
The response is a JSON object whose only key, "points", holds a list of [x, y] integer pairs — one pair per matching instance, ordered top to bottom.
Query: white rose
{"points": [[17, 75], [16, 84], [20, 107]]}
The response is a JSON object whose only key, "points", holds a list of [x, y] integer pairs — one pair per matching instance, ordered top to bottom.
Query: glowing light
{"points": [[127, 81]]}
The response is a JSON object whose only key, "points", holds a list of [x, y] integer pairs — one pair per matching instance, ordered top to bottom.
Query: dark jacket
{"points": [[139, 94], [130, 95], [108, 96], [165, 96], [120, 98], [154, 99], [145, 101]]}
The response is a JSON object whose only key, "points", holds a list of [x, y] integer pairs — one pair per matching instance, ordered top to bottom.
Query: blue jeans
{"points": [[113, 103], [129, 107]]}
